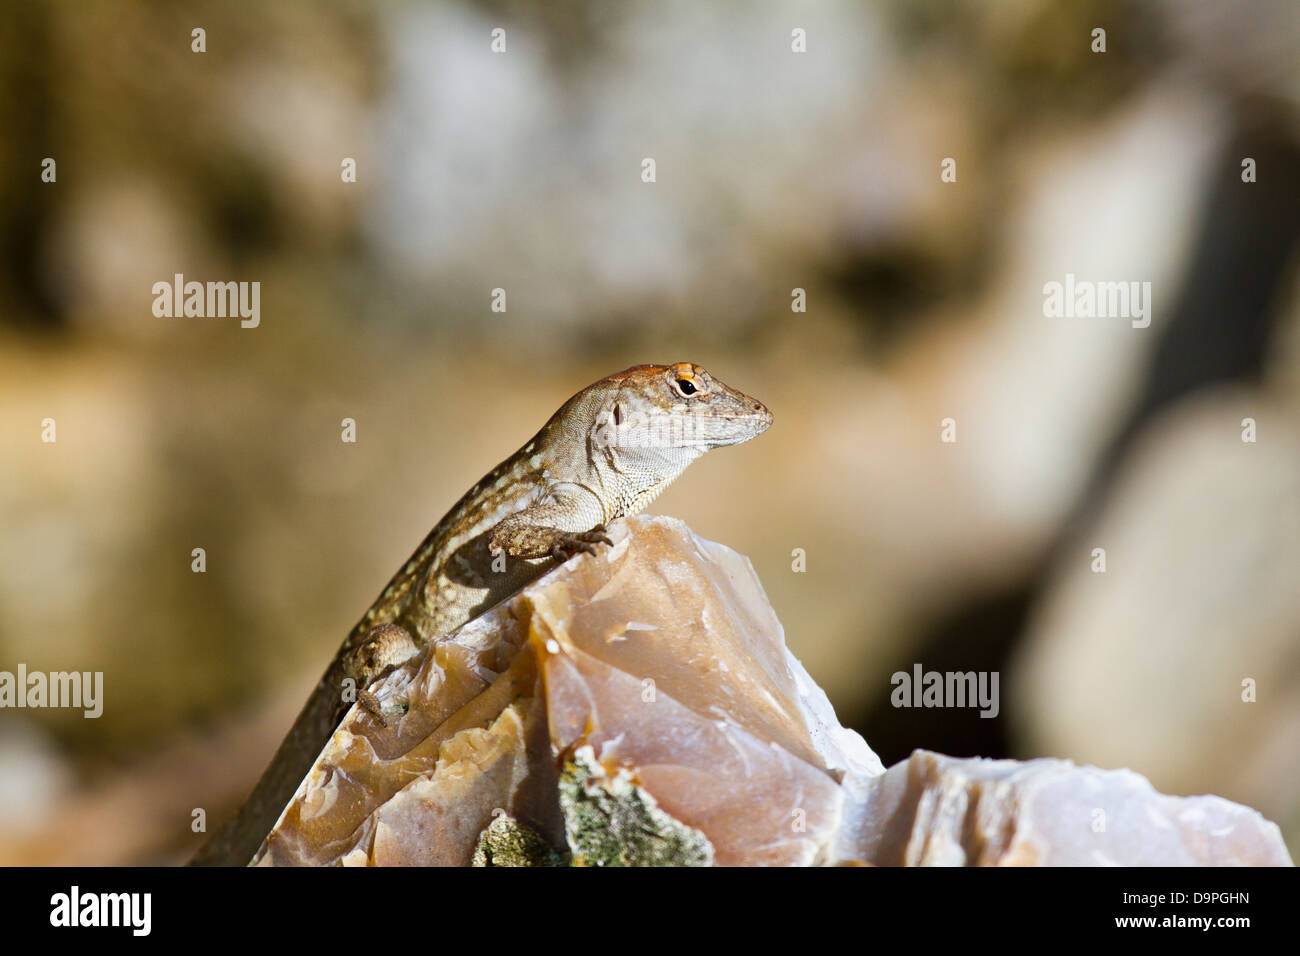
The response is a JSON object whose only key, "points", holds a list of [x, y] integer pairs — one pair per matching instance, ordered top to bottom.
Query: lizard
{"points": [[607, 453]]}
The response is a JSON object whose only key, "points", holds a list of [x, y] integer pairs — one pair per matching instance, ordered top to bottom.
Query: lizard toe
{"points": [[371, 703]]}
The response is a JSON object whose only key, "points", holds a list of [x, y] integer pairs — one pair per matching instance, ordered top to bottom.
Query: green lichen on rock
{"points": [[610, 821], [507, 842]]}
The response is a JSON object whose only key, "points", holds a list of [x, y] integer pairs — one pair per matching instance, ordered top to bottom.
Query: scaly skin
{"points": [[607, 453]]}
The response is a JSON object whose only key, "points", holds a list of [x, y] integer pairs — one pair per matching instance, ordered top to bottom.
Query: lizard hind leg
{"points": [[382, 648]]}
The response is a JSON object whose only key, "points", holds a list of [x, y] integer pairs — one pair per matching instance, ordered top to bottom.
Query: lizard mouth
{"points": [[760, 419], [741, 428]]}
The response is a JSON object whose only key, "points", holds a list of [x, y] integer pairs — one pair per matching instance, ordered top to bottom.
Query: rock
{"points": [[1179, 660], [675, 666], [654, 673], [638, 707], [421, 791], [937, 810], [611, 821], [507, 842]]}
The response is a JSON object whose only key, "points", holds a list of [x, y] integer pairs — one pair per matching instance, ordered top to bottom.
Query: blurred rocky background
{"points": [[775, 170]]}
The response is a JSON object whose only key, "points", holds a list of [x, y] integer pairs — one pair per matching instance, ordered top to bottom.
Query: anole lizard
{"points": [[607, 453]]}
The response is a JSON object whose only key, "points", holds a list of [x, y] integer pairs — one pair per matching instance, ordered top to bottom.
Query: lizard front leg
{"points": [[544, 529], [522, 540], [382, 648]]}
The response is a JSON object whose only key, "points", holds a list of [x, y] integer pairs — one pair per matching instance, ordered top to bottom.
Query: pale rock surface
{"points": [[661, 654], [639, 707], [421, 791], [944, 811]]}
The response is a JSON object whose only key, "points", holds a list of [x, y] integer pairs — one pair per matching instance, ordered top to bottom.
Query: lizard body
{"points": [[608, 452]]}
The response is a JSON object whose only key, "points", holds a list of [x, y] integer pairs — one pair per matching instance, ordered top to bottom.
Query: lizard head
{"points": [[662, 417]]}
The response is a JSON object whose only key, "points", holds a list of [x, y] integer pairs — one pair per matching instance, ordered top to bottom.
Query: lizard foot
{"points": [[570, 543], [385, 647], [371, 703]]}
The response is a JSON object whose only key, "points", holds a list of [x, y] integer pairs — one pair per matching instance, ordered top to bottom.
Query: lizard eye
{"points": [[686, 385]]}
